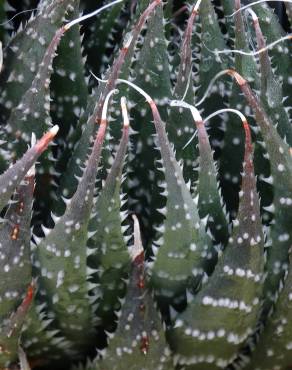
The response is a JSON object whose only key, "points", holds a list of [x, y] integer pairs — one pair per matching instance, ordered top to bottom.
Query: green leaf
{"points": [[273, 31], [102, 32], [211, 39], [27, 49], [244, 64], [152, 75], [69, 86], [271, 90], [32, 115], [88, 120], [180, 125], [230, 165], [13, 176], [281, 176], [210, 202], [107, 247], [15, 248], [185, 250], [61, 258], [15, 267], [219, 319], [11, 328], [40, 340], [139, 341], [273, 349]]}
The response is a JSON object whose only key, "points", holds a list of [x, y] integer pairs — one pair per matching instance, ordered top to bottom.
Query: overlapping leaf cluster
{"points": [[121, 247]]}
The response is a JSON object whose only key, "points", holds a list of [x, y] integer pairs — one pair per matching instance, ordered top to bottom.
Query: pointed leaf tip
{"points": [[43, 143], [137, 248]]}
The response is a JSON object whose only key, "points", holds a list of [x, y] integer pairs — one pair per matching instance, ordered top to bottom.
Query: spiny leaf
{"points": [[273, 31], [211, 39], [99, 42], [26, 51], [244, 64], [152, 75], [69, 87], [271, 89], [272, 99], [95, 103], [32, 113], [179, 124], [233, 137], [281, 169], [10, 179], [210, 203], [15, 248], [185, 249], [108, 251], [61, 256], [15, 268], [11, 327], [208, 334], [41, 342], [143, 346], [273, 349]]}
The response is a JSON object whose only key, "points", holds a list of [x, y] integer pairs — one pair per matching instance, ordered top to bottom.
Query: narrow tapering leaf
{"points": [[26, 51], [12, 177], [107, 247], [61, 257], [208, 334], [139, 341]]}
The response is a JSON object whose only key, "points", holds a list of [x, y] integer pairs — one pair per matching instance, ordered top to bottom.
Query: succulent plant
{"points": [[145, 237]]}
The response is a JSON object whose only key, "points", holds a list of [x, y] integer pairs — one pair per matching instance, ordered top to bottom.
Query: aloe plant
{"points": [[155, 231]]}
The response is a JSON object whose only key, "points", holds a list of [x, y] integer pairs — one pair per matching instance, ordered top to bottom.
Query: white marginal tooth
{"points": [[268, 180], [66, 200], [270, 208], [163, 211], [55, 218], [124, 228], [160, 229], [46, 230], [91, 233], [127, 238], [37, 239], [155, 249], [90, 251]]}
